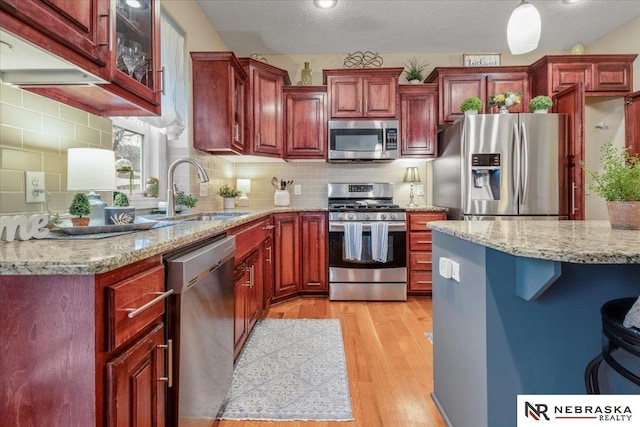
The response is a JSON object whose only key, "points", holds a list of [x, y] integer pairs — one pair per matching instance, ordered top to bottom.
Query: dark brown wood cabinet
{"points": [[84, 34], [601, 75], [458, 83], [362, 93], [218, 102], [264, 110], [419, 120], [305, 122], [632, 122], [286, 247], [314, 252], [420, 270], [72, 341]]}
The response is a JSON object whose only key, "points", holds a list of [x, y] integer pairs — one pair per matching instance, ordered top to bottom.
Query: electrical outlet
{"points": [[34, 187], [204, 189], [297, 189], [420, 190], [444, 267], [455, 271]]}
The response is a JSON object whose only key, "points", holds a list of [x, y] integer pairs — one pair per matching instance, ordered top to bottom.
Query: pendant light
{"points": [[523, 30]]}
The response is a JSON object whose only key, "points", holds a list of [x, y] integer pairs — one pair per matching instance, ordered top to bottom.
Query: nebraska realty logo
{"points": [[574, 410]]}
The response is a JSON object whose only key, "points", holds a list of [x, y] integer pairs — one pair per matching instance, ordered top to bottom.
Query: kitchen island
{"points": [[524, 317]]}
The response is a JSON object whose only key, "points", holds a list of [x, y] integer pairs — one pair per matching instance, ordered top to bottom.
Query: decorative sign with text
{"points": [[480, 59], [23, 227]]}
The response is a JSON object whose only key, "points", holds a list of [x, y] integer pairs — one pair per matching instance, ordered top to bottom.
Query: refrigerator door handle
{"points": [[525, 165], [515, 176]]}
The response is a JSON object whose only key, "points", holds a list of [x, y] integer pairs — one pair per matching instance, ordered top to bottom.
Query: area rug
{"points": [[291, 369]]}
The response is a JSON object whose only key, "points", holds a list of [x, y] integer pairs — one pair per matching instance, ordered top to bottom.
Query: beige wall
{"points": [[35, 132]]}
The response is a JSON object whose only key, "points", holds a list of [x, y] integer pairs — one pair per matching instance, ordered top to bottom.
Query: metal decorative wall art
{"points": [[364, 59]]}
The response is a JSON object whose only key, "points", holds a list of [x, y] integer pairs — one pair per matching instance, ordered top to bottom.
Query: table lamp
{"points": [[92, 169], [411, 175], [243, 185]]}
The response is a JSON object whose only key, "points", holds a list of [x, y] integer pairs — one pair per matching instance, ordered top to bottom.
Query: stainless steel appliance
{"points": [[363, 140], [502, 166], [371, 275], [200, 325]]}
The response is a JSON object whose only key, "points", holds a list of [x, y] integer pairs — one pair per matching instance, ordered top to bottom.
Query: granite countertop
{"points": [[427, 209], [581, 242], [93, 256]]}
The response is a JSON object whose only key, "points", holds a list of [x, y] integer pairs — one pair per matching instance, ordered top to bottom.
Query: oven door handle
{"points": [[339, 226]]}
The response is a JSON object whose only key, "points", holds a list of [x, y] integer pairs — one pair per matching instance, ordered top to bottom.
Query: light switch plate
{"points": [[34, 187], [204, 189], [297, 189], [420, 190], [444, 267], [455, 271]]}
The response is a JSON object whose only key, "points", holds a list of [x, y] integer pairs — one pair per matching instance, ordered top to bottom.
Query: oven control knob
{"points": [[340, 215], [351, 216], [366, 216], [383, 216], [392, 216]]}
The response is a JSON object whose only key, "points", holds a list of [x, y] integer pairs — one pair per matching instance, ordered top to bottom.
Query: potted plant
{"points": [[414, 70], [505, 100], [540, 104], [471, 105], [618, 183], [228, 194], [186, 201], [79, 208], [120, 212]]}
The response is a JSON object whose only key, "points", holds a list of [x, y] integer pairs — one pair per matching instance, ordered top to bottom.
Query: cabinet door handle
{"points": [[162, 81], [574, 209], [269, 227], [269, 252], [249, 283], [133, 312], [169, 363]]}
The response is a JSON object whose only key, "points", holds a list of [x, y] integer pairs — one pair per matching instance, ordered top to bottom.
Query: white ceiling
{"points": [[395, 26]]}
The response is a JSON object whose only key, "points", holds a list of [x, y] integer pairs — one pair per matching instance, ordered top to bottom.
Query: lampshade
{"points": [[523, 29], [91, 169], [411, 175], [243, 185]]}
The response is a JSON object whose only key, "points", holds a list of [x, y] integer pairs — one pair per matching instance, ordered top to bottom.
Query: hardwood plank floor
{"points": [[389, 361]]}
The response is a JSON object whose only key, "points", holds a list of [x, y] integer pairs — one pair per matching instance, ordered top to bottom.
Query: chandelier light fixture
{"points": [[523, 30]]}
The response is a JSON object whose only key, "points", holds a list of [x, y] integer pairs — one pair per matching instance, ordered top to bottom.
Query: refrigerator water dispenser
{"points": [[485, 172]]}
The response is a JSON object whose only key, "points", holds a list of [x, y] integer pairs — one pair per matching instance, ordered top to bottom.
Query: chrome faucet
{"points": [[171, 209]]}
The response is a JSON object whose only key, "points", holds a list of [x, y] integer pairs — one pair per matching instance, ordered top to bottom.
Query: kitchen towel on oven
{"points": [[353, 240], [379, 241]]}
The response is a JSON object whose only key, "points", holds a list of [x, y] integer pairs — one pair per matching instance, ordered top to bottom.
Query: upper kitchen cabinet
{"points": [[81, 26], [116, 43], [602, 75], [458, 83], [362, 92], [218, 102], [419, 106], [264, 111], [632, 120], [305, 122]]}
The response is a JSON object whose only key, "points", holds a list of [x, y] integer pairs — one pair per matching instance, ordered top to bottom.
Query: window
{"points": [[127, 145]]}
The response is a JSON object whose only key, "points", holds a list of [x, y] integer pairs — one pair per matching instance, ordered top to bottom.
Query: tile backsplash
{"points": [[35, 134]]}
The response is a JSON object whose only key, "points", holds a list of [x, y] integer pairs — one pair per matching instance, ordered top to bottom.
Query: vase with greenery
{"points": [[414, 70], [505, 100], [471, 104], [540, 104], [618, 182], [228, 194], [185, 201], [79, 208]]}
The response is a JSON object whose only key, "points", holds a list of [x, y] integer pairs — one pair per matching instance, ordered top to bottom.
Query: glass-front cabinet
{"points": [[136, 48]]}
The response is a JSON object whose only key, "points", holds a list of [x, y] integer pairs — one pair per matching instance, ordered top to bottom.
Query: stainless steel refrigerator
{"points": [[503, 166]]}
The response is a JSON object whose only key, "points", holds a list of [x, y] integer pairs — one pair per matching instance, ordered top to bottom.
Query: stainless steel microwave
{"points": [[363, 140]]}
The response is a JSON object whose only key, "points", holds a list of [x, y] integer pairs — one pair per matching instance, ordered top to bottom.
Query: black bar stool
{"points": [[617, 336]]}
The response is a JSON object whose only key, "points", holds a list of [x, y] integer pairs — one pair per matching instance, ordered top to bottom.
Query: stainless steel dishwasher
{"points": [[200, 325]]}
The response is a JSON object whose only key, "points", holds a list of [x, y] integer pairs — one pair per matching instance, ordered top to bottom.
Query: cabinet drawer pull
{"points": [[424, 242], [422, 262], [423, 282], [133, 312], [169, 363]]}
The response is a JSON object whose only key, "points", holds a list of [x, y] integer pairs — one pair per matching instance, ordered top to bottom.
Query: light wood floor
{"points": [[389, 361]]}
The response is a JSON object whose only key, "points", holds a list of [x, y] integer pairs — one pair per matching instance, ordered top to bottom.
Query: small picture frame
{"points": [[481, 59]]}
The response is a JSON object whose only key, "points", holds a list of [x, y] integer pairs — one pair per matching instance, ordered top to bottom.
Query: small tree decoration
{"points": [[540, 102], [471, 103], [120, 200], [80, 207]]}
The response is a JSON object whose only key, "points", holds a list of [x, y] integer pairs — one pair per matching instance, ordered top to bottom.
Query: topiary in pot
{"points": [[473, 103], [539, 103], [618, 183], [120, 200], [80, 207]]}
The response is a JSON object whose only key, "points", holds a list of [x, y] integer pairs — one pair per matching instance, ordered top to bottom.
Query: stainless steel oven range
{"points": [[367, 243]]}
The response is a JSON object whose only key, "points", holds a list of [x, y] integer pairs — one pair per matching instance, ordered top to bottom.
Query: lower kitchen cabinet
{"points": [[419, 249], [314, 253], [287, 255], [268, 271], [247, 299], [77, 358], [136, 383]]}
